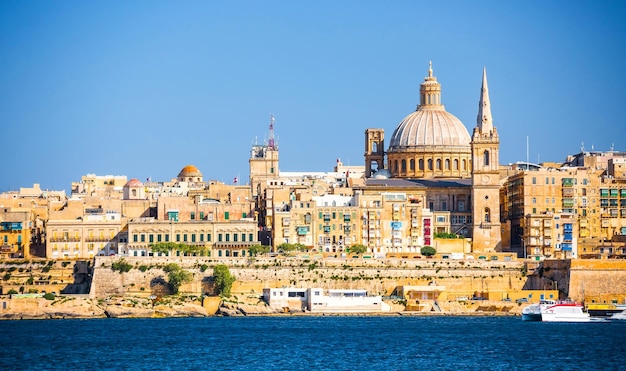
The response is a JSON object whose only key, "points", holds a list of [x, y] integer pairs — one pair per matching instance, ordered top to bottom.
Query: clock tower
{"points": [[485, 144]]}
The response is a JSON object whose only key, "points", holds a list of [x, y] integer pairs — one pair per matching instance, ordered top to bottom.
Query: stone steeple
{"points": [[484, 120]]}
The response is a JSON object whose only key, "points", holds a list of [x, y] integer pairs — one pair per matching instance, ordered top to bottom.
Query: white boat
{"points": [[533, 311], [566, 311]]}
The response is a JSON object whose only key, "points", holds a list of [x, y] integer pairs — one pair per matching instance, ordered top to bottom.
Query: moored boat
{"points": [[533, 311], [564, 311]]}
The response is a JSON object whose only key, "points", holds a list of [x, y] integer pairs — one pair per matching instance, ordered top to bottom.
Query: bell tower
{"points": [[485, 144], [374, 151], [263, 163]]}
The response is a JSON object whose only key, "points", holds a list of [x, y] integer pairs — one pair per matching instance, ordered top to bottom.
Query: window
{"points": [[486, 158], [438, 162], [412, 164], [420, 164], [430, 164], [447, 164], [456, 164], [403, 165], [534, 180], [487, 213], [193, 215], [201, 215], [226, 215], [143, 237], [178, 237], [193, 237], [208, 237], [219, 237], [135, 238], [151, 238], [167, 238]]}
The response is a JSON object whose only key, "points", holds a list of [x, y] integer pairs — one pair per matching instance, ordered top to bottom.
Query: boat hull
{"points": [[531, 317]]}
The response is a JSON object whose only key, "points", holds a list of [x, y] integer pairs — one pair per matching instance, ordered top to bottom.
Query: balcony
{"points": [[65, 239], [98, 239]]}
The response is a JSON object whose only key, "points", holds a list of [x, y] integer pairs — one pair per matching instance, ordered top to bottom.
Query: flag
{"points": [[235, 180]]}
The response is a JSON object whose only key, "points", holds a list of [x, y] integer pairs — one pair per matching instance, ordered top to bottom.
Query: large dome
{"points": [[429, 127], [430, 142]]}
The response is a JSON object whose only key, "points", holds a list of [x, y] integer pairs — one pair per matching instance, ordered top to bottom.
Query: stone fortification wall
{"points": [[461, 277], [588, 280]]}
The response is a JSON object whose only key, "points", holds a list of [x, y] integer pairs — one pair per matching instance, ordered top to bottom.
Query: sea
{"points": [[312, 343]]}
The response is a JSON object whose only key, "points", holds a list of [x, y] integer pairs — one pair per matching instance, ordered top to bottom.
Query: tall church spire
{"points": [[484, 120]]}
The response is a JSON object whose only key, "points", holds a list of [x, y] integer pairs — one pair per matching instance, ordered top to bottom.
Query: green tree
{"points": [[446, 235], [169, 247], [301, 247], [285, 248], [258, 249], [357, 249], [428, 251], [121, 266], [176, 276], [223, 280]]}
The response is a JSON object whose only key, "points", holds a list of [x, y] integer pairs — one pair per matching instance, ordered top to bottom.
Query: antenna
{"points": [[271, 144], [527, 160]]}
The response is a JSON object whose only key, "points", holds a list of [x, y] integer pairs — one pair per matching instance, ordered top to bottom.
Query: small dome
{"points": [[189, 171], [382, 174], [134, 182]]}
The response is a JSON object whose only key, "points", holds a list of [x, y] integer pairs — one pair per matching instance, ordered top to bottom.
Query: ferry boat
{"points": [[604, 309], [533, 311], [565, 311]]}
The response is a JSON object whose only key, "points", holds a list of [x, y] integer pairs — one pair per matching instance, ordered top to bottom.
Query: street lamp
{"points": [[269, 243]]}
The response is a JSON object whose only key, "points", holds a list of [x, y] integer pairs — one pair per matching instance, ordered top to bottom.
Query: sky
{"points": [[144, 88]]}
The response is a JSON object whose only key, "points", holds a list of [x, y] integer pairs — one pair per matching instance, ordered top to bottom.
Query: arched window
{"points": [[374, 147], [486, 158], [420, 164], [430, 164], [438, 164], [447, 164], [456, 164], [464, 164], [403, 165], [412, 165], [395, 166], [487, 218]]}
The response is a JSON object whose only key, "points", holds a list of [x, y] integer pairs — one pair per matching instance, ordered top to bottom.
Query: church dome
{"points": [[427, 127], [430, 142], [189, 171], [133, 183]]}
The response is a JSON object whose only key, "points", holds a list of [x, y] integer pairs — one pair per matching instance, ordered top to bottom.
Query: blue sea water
{"points": [[311, 342]]}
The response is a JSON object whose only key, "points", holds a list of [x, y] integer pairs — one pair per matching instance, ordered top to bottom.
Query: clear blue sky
{"points": [[143, 88]]}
